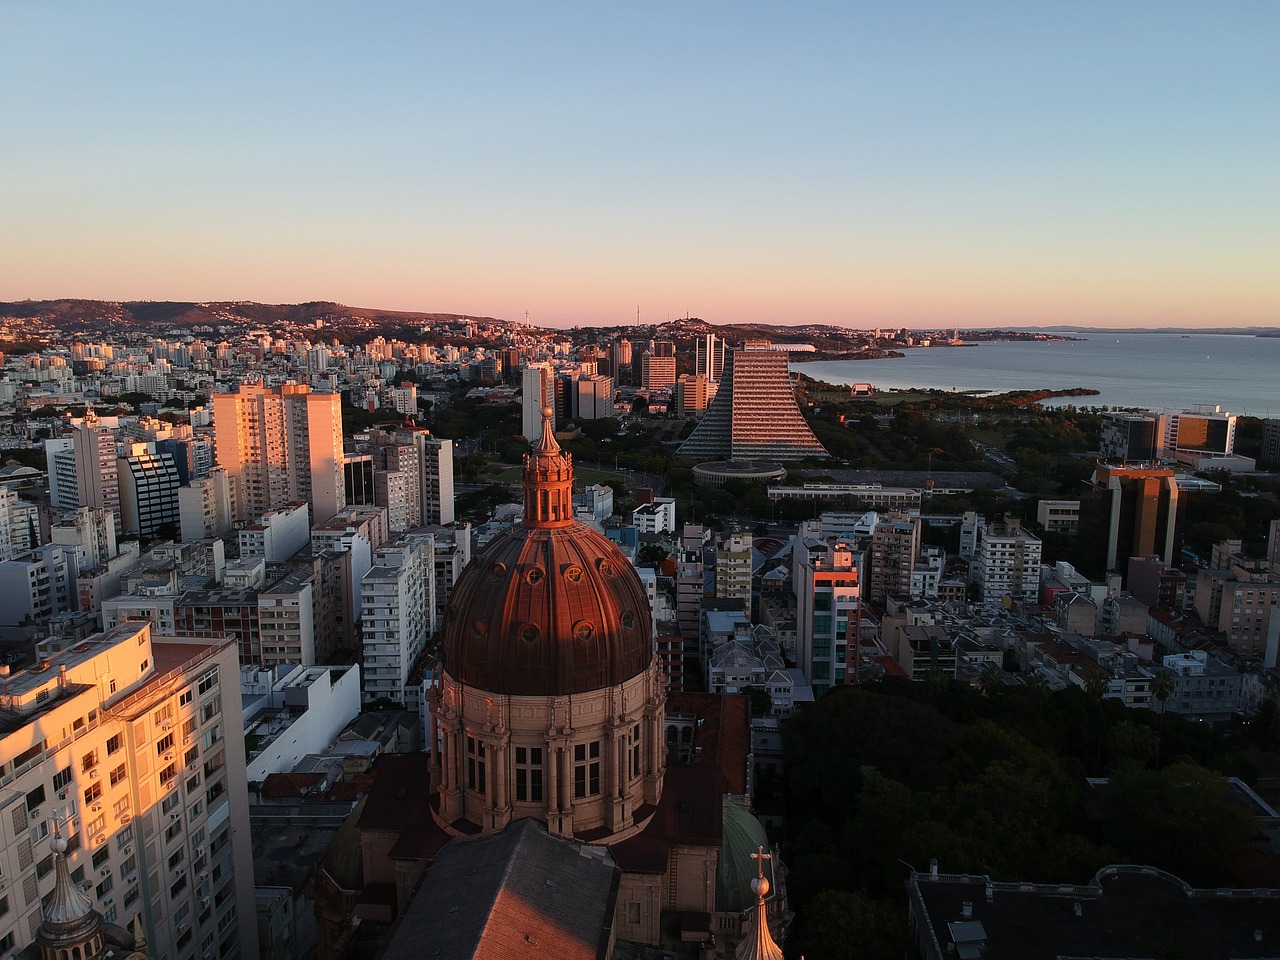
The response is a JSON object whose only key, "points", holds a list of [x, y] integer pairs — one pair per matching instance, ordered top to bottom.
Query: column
{"points": [[553, 778]]}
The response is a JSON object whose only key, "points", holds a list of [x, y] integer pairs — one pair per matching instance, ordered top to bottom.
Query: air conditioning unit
{"points": [[166, 725], [168, 755], [93, 773], [63, 793], [97, 807], [33, 814], [175, 816], [125, 817], [100, 838], [127, 850], [104, 872], [86, 886], [108, 901]]}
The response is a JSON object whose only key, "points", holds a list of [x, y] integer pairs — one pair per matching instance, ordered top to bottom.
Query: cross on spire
{"points": [[760, 857]]}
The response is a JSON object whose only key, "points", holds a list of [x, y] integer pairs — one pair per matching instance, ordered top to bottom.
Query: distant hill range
{"points": [[159, 316]]}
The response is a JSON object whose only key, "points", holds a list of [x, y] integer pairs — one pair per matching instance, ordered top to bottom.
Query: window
{"points": [[208, 682], [186, 697], [211, 709], [163, 715], [164, 743], [634, 743], [113, 744], [89, 761], [475, 765], [586, 769], [168, 774], [529, 774], [118, 775], [62, 778], [92, 792], [35, 798], [101, 856]]}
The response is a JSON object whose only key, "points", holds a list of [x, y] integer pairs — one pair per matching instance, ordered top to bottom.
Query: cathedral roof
{"points": [[550, 607]]}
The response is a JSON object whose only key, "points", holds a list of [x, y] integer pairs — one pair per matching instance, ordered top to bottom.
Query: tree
{"points": [[991, 680], [1163, 685], [1181, 819], [840, 925]]}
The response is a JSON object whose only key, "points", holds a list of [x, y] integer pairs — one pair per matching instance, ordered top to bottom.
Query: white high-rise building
{"points": [[537, 390], [60, 459], [97, 468], [437, 480], [206, 507], [1008, 562], [397, 601], [131, 743]]}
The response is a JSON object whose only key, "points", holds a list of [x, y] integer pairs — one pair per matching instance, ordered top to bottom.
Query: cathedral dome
{"points": [[550, 607]]}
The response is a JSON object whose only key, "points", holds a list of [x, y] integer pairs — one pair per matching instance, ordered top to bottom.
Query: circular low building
{"points": [[717, 473]]}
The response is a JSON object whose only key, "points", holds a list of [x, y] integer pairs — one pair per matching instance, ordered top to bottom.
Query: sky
{"points": [[921, 164]]}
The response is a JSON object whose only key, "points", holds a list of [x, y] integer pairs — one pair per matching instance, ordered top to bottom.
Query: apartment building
{"points": [[281, 445], [895, 541], [1008, 562], [733, 569], [397, 599], [828, 602], [129, 742]]}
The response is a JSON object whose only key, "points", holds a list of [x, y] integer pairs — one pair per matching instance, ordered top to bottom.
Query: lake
{"points": [[1149, 370]]}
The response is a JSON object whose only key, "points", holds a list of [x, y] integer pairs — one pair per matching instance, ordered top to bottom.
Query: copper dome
{"points": [[550, 607]]}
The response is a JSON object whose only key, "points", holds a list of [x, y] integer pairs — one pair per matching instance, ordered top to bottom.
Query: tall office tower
{"points": [[620, 353], [709, 357], [510, 360], [657, 371], [537, 390], [593, 397], [754, 415], [1203, 430], [1129, 436], [281, 445], [1270, 455], [436, 457], [60, 459], [97, 471], [357, 472], [149, 486], [1126, 513], [895, 542], [1008, 562], [397, 600], [828, 601], [148, 786]]}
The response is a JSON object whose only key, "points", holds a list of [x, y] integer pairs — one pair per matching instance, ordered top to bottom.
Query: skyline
{"points": [[991, 165]]}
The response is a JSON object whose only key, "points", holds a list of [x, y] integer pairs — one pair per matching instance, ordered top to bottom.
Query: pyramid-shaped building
{"points": [[754, 415]]}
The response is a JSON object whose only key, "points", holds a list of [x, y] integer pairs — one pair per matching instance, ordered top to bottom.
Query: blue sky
{"points": [[924, 164]]}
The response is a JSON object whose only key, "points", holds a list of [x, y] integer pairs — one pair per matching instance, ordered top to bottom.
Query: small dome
{"points": [[547, 612], [737, 872]]}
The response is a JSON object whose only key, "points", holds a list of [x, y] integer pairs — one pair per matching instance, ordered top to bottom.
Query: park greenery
{"points": [[993, 780]]}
